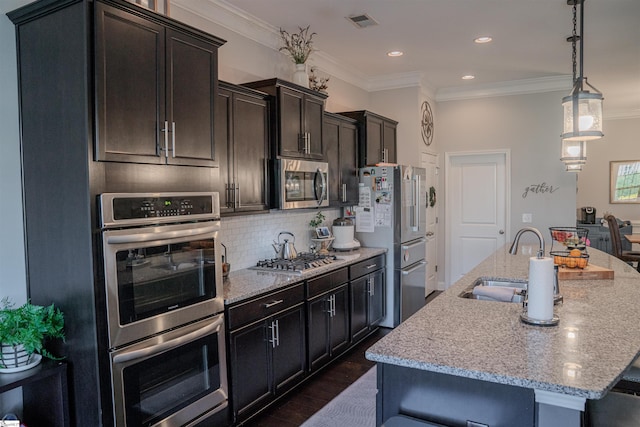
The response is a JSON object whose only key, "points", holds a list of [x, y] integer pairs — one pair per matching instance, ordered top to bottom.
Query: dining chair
{"points": [[616, 243]]}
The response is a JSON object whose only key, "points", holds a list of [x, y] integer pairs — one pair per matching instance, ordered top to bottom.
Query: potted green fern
{"points": [[23, 332]]}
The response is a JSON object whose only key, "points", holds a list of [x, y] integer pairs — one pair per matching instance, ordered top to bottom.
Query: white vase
{"points": [[300, 76], [15, 356]]}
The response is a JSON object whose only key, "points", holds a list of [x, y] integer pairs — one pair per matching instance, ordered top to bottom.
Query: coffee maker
{"points": [[587, 215]]}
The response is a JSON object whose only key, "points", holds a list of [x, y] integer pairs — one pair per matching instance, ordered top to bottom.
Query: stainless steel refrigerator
{"points": [[392, 214]]}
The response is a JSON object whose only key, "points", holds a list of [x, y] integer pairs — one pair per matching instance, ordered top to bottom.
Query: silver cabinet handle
{"points": [[166, 138], [173, 139], [308, 144], [344, 192], [236, 196], [370, 266], [372, 288], [273, 303], [333, 305], [273, 328]]}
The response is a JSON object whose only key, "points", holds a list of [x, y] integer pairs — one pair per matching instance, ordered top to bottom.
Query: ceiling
{"points": [[529, 44]]}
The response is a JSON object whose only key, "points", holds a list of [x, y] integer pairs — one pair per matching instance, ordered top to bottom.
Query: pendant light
{"points": [[582, 108], [574, 152]]}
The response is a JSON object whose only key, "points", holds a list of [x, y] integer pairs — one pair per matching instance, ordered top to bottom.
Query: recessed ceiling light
{"points": [[482, 39], [394, 53], [468, 77]]}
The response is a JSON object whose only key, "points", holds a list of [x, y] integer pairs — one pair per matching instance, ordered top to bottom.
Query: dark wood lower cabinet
{"points": [[328, 324], [277, 340], [267, 357]]}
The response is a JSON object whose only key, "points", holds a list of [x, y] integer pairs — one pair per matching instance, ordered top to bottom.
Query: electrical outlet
{"points": [[527, 218]]}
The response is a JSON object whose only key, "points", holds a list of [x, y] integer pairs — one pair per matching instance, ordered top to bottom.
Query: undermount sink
{"points": [[496, 289]]}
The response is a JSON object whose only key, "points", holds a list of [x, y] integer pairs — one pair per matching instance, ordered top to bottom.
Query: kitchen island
{"points": [[462, 359]]}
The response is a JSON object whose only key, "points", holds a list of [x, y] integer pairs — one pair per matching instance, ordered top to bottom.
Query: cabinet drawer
{"points": [[367, 266], [327, 282], [265, 306]]}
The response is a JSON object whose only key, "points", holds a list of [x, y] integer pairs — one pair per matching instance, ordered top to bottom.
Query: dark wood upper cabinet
{"points": [[155, 91], [297, 122], [377, 138], [242, 144], [341, 144]]}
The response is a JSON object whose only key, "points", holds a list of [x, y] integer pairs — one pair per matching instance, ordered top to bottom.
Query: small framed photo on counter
{"points": [[323, 232]]}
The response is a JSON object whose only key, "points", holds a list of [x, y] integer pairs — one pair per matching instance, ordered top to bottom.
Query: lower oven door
{"points": [[173, 379]]}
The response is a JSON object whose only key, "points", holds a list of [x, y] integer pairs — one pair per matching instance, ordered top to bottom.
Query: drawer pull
{"points": [[370, 266], [271, 304]]}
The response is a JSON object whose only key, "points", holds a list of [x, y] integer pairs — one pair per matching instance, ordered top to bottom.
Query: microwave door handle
{"points": [[323, 185], [168, 345]]}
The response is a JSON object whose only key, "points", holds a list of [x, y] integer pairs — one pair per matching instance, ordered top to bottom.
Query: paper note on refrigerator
{"points": [[364, 197], [383, 215], [364, 220]]}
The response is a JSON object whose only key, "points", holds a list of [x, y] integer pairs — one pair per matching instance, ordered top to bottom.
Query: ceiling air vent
{"points": [[362, 21]]}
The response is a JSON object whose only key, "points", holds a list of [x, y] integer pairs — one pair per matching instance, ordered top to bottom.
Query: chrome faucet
{"points": [[514, 247]]}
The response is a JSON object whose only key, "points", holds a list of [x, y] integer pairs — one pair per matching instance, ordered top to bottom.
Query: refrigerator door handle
{"points": [[416, 202], [414, 244], [411, 270]]}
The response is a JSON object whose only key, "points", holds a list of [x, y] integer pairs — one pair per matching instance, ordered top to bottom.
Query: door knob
{"points": [[501, 231], [429, 233]]}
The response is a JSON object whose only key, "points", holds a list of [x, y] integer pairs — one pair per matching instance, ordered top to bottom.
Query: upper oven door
{"points": [[304, 184], [158, 278]]}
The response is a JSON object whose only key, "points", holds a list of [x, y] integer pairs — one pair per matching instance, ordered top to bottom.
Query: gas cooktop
{"points": [[303, 263]]}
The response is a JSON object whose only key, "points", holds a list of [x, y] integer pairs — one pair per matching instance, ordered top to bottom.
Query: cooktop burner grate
{"points": [[304, 262]]}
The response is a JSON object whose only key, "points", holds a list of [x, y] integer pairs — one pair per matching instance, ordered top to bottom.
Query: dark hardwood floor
{"points": [[305, 400]]}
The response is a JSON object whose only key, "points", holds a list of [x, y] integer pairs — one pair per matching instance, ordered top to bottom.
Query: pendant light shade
{"points": [[582, 114], [574, 152]]}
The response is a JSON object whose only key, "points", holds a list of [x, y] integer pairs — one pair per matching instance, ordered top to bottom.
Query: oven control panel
{"points": [[141, 208]]}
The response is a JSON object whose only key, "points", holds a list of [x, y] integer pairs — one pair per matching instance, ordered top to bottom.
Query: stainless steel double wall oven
{"points": [[164, 301]]}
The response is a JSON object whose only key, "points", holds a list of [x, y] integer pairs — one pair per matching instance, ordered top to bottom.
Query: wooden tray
{"points": [[590, 272]]}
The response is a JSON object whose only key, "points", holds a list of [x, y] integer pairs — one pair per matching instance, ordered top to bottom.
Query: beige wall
{"points": [[620, 142]]}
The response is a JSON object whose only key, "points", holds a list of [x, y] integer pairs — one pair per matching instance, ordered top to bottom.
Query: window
{"points": [[625, 181]]}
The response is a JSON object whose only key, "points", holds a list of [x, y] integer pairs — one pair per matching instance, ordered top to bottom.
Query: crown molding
{"points": [[513, 87]]}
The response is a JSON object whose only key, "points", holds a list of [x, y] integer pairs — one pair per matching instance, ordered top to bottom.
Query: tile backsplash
{"points": [[249, 238]]}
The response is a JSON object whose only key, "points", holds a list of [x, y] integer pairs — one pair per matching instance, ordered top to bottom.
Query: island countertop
{"points": [[584, 355]]}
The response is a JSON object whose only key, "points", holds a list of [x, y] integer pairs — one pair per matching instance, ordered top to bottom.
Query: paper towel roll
{"points": [[540, 289]]}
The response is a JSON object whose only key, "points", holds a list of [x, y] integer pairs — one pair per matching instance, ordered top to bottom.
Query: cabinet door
{"points": [[191, 87], [130, 90], [313, 118], [291, 122], [331, 137], [373, 141], [389, 143], [224, 149], [251, 150], [349, 163], [376, 297], [359, 299], [339, 321], [318, 327], [289, 354], [249, 364]]}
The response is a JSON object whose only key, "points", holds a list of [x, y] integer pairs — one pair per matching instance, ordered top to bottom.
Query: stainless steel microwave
{"points": [[303, 184]]}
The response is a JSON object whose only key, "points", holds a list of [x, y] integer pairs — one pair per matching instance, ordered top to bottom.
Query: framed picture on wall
{"points": [[624, 181]]}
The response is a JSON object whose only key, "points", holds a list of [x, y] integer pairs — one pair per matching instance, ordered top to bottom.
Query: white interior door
{"points": [[430, 163], [477, 202]]}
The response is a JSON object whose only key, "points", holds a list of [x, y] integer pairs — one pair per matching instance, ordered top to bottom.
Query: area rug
{"points": [[354, 407]]}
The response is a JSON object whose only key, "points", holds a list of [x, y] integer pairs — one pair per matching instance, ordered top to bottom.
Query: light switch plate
{"points": [[527, 218]]}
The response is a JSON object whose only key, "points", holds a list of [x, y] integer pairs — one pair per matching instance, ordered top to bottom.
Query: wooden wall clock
{"points": [[426, 123]]}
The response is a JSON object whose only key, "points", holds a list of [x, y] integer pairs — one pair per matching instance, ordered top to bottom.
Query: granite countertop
{"points": [[248, 283], [596, 340]]}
